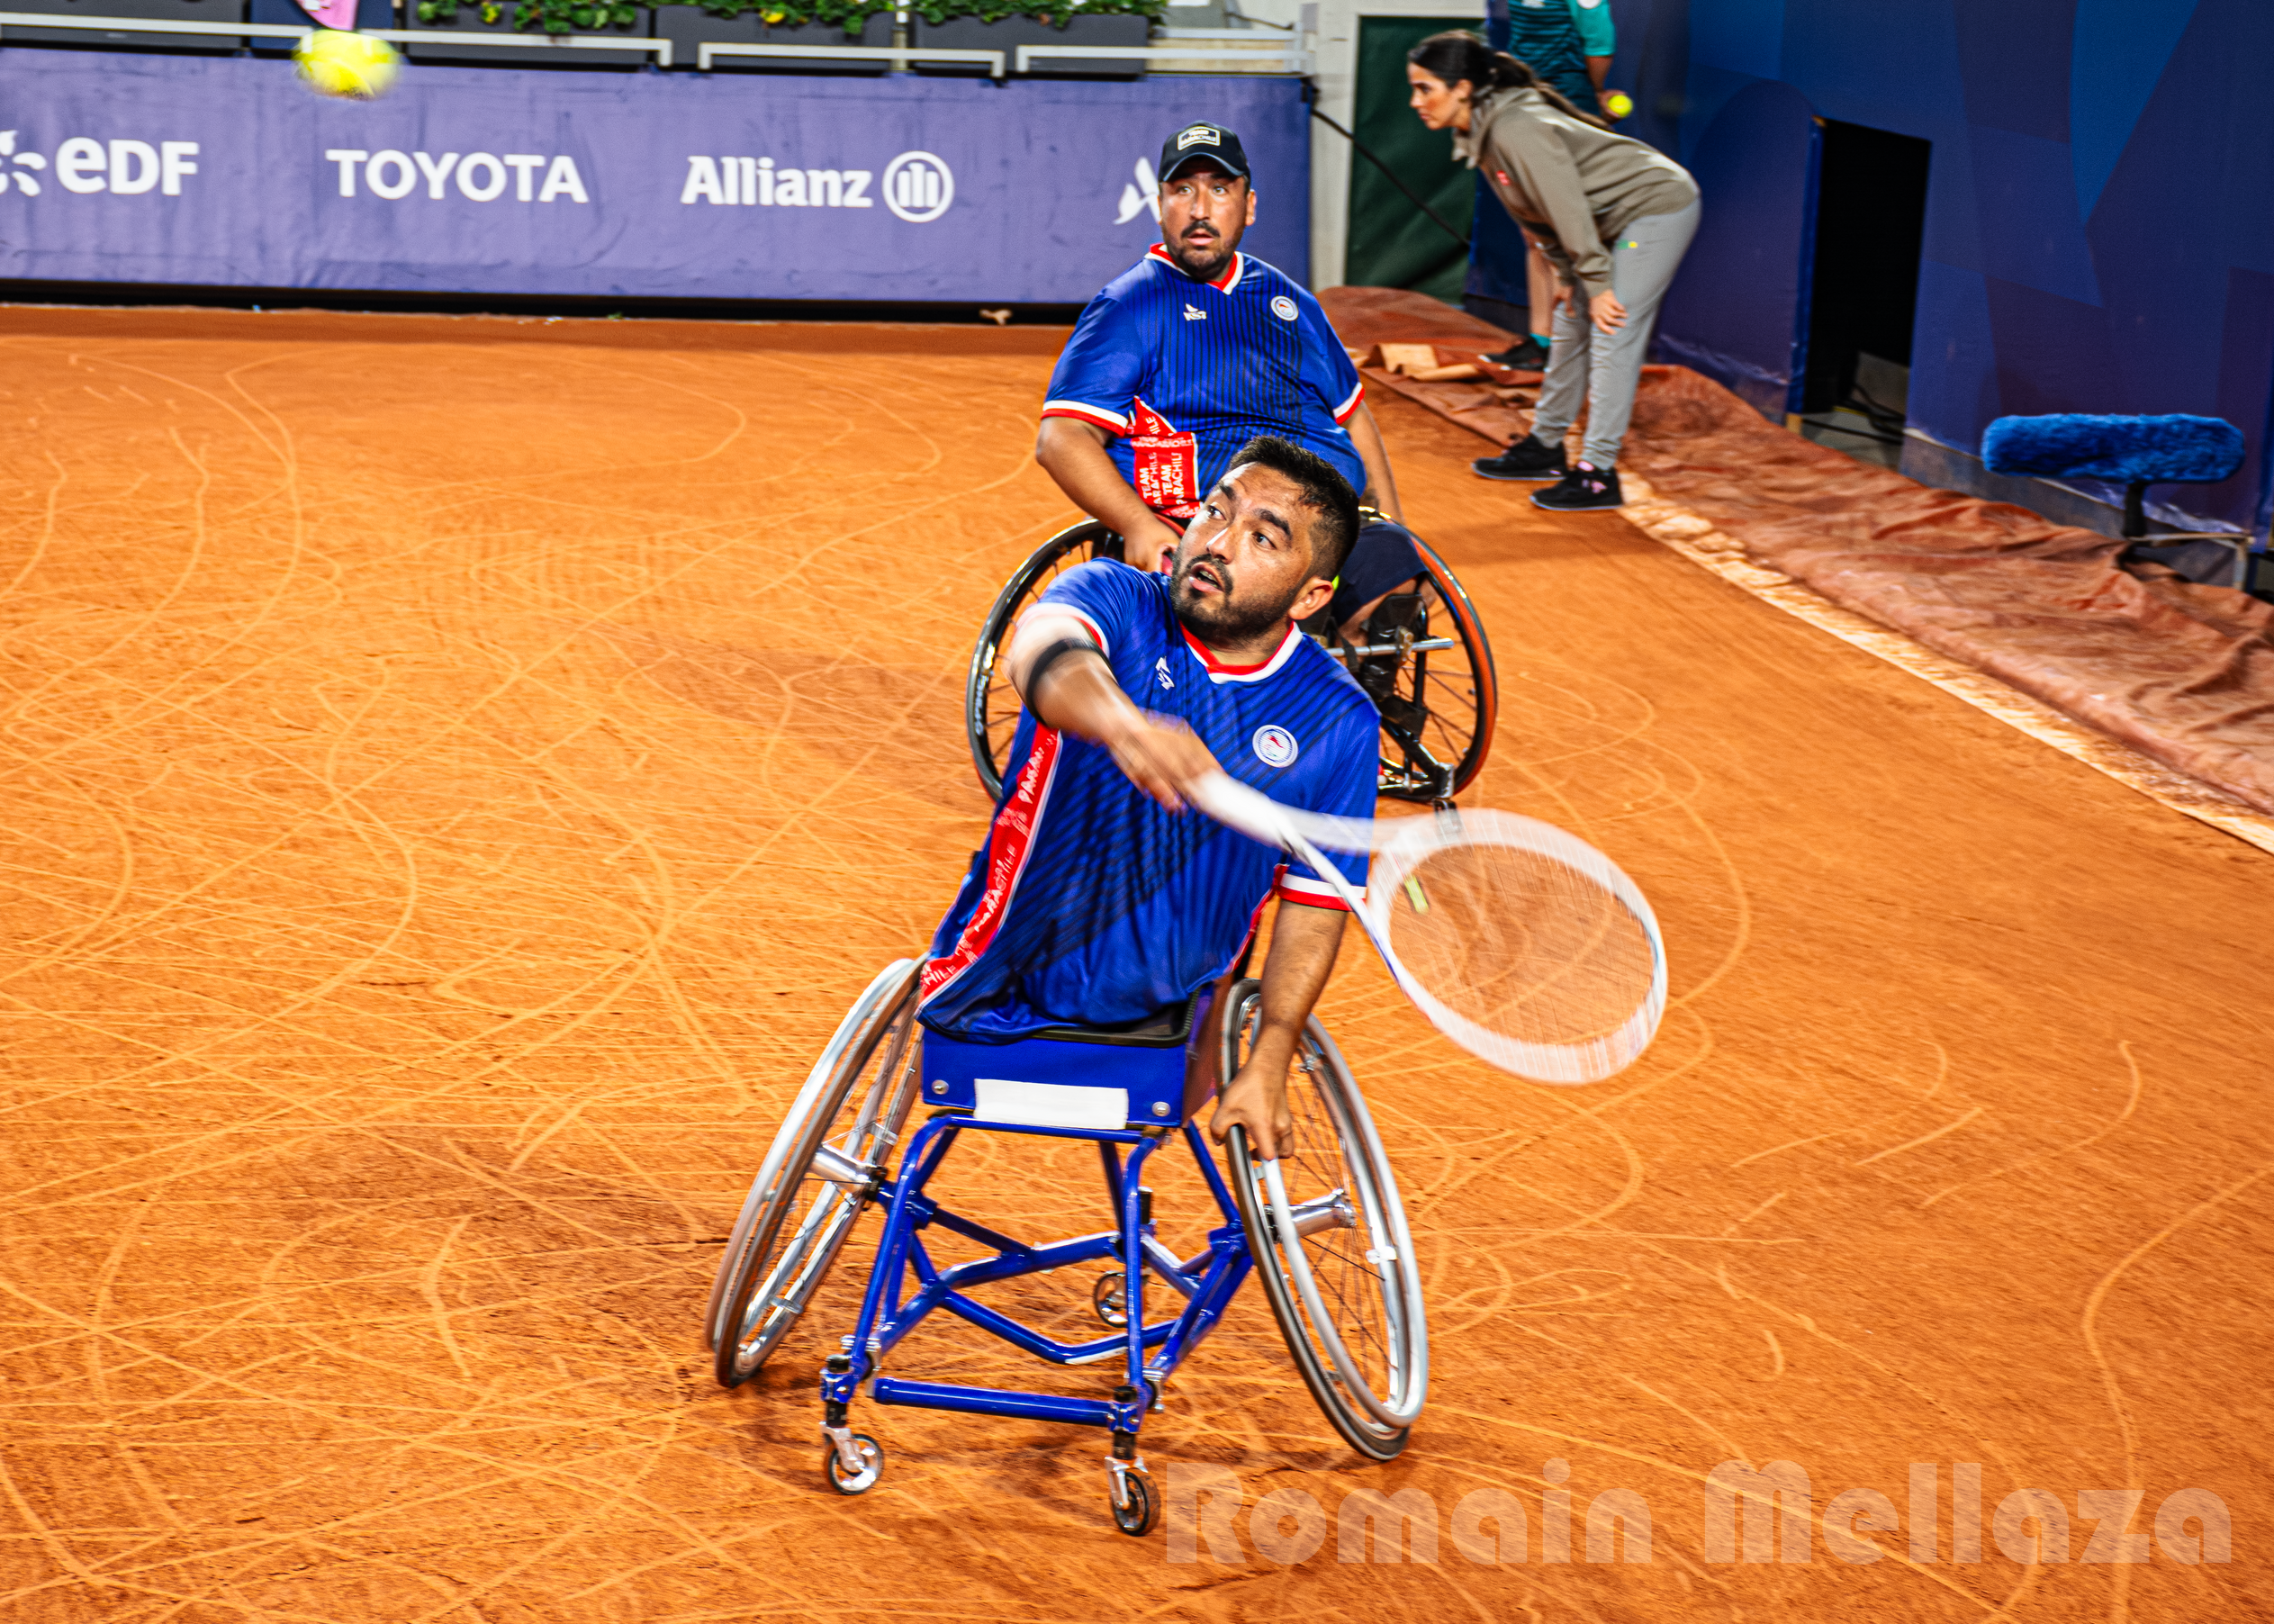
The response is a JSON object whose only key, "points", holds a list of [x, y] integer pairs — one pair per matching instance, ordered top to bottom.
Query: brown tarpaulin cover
{"points": [[2182, 672]]}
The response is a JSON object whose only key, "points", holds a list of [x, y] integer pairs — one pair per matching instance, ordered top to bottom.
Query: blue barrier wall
{"points": [[228, 172], [2100, 205]]}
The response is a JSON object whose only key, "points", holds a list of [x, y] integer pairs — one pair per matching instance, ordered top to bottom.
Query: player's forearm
{"points": [[1598, 69], [1073, 454], [1380, 484], [1077, 694], [1303, 942]]}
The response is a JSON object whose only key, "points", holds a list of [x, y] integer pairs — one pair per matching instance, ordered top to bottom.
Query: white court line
{"points": [[1693, 537]]}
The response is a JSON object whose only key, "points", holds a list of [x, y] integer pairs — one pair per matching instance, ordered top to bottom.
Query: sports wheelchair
{"points": [[1422, 658], [1322, 1226]]}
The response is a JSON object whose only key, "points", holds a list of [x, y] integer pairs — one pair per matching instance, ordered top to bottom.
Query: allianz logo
{"points": [[125, 168], [476, 177], [918, 186]]}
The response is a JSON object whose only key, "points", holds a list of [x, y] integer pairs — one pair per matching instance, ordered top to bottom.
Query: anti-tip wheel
{"points": [[1109, 1299], [872, 1453], [1134, 1515]]}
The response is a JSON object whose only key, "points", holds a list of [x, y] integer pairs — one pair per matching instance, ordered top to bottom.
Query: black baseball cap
{"points": [[1214, 142]]}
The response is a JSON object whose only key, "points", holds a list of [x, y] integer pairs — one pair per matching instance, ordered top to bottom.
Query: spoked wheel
{"points": [[1424, 660], [991, 709], [822, 1169], [1330, 1244]]}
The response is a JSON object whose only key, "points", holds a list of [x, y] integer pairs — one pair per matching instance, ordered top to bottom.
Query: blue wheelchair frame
{"points": [[1133, 1095]]}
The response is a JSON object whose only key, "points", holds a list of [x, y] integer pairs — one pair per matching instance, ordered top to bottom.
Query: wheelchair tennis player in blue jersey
{"points": [[1175, 365], [1089, 982]]}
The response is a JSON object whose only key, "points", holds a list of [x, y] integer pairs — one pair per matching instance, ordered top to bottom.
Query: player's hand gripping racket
{"points": [[1522, 944]]}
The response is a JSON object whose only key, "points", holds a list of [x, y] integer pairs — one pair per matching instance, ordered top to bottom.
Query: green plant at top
{"points": [[936, 12], [847, 14], [542, 16]]}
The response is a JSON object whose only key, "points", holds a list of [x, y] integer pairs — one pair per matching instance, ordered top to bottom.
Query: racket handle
{"points": [[1259, 817]]}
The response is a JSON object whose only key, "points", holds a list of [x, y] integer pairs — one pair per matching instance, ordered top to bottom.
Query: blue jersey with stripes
{"points": [[1183, 374], [1090, 905]]}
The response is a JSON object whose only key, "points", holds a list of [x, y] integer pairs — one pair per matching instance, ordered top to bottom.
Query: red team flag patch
{"points": [[1167, 471]]}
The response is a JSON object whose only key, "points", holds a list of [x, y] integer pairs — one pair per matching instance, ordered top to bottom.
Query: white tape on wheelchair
{"points": [[1401, 846], [1048, 1105]]}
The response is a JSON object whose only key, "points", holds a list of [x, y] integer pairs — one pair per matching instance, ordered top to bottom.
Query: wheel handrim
{"points": [[853, 1102], [1349, 1276], [1354, 1305]]}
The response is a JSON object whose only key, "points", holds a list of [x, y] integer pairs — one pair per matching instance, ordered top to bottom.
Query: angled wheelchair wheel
{"points": [[1427, 665], [990, 703], [822, 1169], [1331, 1245]]}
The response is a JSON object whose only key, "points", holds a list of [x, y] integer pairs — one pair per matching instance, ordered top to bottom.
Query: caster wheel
{"points": [[1109, 1299], [872, 1455], [1134, 1516]]}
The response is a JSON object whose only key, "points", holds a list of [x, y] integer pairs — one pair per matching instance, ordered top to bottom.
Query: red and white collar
{"points": [[1222, 285], [1218, 672]]}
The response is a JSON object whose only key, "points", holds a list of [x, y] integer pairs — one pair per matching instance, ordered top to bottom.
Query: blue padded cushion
{"points": [[2068, 444]]}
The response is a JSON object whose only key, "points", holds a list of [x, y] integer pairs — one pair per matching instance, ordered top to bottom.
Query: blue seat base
{"points": [[1070, 1076]]}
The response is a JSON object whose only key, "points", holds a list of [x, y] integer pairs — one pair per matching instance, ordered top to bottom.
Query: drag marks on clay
{"points": [[447, 792], [453, 975]]}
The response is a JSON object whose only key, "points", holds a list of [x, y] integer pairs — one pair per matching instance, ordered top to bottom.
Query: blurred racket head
{"points": [[1519, 942]]}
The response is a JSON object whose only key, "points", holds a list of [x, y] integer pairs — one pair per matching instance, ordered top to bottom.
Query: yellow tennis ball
{"points": [[338, 62], [1618, 104]]}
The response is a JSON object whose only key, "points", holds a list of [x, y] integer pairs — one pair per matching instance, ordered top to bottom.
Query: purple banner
{"points": [[229, 172]]}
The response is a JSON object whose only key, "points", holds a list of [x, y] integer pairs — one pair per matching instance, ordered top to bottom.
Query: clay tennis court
{"points": [[459, 771]]}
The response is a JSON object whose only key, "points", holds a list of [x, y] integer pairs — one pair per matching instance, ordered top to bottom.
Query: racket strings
{"points": [[1521, 944]]}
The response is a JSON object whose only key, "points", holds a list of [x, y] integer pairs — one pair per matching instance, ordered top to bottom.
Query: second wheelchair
{"points": [[1422, 656]]}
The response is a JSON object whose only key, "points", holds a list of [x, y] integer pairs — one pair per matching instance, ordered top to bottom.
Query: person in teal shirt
{"points": [[1569, 43]]}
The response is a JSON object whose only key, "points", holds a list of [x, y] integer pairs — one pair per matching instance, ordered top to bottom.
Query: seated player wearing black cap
{"points": [[1193, 351]]}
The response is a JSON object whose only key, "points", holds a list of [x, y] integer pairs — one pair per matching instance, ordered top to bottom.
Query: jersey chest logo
{"points": [[1282, 307], [1192, 314], [1160, 671], [1274, 746]]}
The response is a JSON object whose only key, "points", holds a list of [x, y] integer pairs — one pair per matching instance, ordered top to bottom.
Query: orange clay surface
{"points": [[457, 772]]}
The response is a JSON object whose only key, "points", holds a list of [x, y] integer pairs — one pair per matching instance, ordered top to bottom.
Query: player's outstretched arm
{"points": [[1073, 454], [1381, 485], [1063, 679], [1303, 940]]}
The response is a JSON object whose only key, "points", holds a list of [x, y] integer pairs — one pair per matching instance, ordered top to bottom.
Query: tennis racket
{"points": [[1521, 943]]}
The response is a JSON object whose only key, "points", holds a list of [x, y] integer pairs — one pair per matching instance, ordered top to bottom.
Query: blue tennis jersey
{"points": [[1183, 374], [1090, 904]]}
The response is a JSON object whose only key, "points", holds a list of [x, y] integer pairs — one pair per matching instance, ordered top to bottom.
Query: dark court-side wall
{"points": [[2100, 205]]}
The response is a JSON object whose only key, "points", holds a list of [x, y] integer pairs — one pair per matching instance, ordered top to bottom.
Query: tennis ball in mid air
{"points": [[338, 62], [1618, 104]]}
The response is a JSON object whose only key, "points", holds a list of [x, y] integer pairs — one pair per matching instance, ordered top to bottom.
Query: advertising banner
{"points": [[229, 172]]}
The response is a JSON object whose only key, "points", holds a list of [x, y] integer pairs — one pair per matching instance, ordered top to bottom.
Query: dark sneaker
{"points": [[1527, 354], [1525, 459], [1583, 490]]}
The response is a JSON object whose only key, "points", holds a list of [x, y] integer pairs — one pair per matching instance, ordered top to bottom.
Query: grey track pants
{"points": [[1602, 368]]}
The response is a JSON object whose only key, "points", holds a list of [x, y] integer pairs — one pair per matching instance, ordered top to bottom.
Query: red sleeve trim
{"points": [[1342, 413], [1087, 414], [1096, 632], [1311, 893]]}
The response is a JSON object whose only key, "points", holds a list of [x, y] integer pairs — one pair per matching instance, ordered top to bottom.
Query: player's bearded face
{"points": [[1203, 214], [1222, 602]]}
